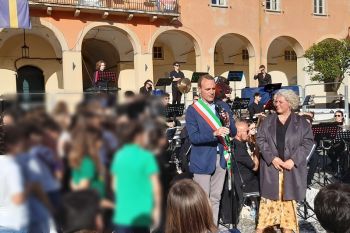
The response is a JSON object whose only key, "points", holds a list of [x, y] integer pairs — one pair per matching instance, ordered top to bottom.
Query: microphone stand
{"points": [[226, 123]]}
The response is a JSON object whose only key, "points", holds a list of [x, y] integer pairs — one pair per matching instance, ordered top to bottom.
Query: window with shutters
{"points": [[219, 2], [273, 5], [319, 7], [158, 53], [245, 54], [290, 55]]}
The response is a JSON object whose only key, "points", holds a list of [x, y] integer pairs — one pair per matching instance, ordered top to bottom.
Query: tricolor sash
{"points": [[214, 122]]}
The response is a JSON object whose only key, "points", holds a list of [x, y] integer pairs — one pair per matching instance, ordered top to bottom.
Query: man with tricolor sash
{"points": [[210, 139]]}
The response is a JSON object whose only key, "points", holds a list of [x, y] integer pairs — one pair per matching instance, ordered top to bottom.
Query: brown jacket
{"points": [[299, 142]]}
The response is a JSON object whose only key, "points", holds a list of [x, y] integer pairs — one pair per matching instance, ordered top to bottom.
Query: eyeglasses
{"points": [[177, 65], [337, 115]]}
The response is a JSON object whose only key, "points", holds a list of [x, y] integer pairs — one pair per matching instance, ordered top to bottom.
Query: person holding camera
{"points": [[262, 77]]}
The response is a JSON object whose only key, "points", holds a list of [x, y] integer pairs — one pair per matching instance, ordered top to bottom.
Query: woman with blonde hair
{"points": [[285, 139], [188, 209]]}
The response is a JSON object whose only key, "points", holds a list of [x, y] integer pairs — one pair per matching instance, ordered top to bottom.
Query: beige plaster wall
{"points": [[206, 25], [39, 48]]}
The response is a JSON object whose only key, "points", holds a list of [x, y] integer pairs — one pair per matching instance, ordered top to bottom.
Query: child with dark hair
{"points": [[136, 182], [332, 208], [80, 212]]}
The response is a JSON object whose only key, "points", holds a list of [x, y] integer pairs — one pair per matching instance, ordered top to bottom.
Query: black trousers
{"points": [[176, 94]]}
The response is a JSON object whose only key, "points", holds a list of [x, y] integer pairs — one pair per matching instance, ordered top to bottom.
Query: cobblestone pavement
{"points": [[310, 225]]}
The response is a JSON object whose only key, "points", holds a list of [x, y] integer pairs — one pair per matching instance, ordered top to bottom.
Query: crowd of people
{"points": [[103, 169]]}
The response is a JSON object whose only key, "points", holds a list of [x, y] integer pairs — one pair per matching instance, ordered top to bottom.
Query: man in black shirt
{"points": [[176, 75], [263, 77], [256, 109], [247, 164]]}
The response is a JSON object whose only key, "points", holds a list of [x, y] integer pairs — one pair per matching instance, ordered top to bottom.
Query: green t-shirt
{"points": [[133, 167], [87, 170]]}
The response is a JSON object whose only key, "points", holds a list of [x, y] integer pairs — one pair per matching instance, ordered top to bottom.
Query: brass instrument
{"points": [[184, 85]]}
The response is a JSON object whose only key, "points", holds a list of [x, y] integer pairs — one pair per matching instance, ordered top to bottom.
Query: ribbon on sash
{"points": [[214, 122]]}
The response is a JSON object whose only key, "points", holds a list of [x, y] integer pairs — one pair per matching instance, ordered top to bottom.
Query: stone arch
{"points": [[186, 31], [128, 32], [113, 45], [177, 45], [228, 56], [285, 61]]}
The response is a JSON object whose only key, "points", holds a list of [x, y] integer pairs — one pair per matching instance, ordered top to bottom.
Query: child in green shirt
{"points": [[136, 184]]}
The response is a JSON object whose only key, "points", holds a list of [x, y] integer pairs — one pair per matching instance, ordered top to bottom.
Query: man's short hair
{"points": [[175, 63], [261, 66], [207, 77], [165, 94], [257, 94], [241, 122], [332, 208]]}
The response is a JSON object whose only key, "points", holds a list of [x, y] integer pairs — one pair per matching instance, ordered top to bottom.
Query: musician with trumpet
{"points": [[176, 75], [210, 141]]}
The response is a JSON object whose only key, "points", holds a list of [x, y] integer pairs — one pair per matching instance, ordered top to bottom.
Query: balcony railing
{"points": [[167, 7]]}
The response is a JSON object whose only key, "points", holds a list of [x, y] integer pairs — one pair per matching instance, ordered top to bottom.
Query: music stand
{"points": [[196, 76], [235, 76], [110, 79], [163, 82], [270, 88], [107, 96], [174, 110], [324, 133], [345, 137]]}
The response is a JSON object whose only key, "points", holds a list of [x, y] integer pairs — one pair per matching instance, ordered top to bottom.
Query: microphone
{"points": [[224, 119]]}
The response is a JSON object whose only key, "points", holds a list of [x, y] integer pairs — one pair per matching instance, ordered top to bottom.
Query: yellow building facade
{"points": [[140, 39]]}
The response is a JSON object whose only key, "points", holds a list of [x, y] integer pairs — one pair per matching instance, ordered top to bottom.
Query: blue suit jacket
{"points": [[204, 144]]}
